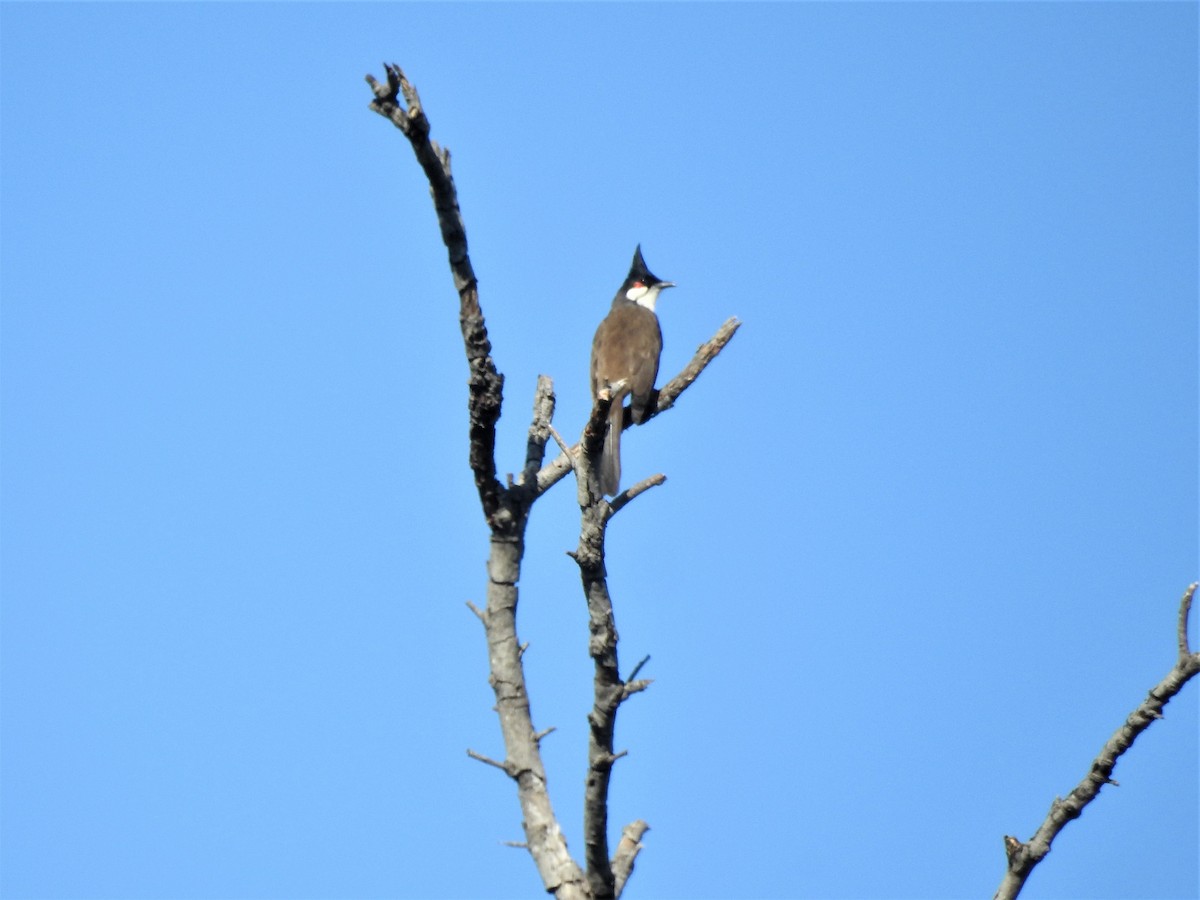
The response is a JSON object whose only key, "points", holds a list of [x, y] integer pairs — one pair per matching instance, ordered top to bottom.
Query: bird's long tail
{"points": [[610, 456]]}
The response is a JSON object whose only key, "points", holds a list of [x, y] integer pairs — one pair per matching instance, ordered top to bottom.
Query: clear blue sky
{"points": [[927, 520]]}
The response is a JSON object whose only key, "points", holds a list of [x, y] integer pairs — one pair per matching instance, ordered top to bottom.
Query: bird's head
{"points": [[641, 285]]}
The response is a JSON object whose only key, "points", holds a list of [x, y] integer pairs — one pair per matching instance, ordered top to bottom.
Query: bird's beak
{"points": [[666, 284]]}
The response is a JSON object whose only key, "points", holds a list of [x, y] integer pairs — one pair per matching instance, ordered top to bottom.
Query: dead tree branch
{"points": [[705, 354], [486, 383], [506, 508], [1022, 857], [605, 876]]}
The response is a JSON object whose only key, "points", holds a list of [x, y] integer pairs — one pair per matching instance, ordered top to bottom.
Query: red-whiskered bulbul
{"points": [[626, 348]]}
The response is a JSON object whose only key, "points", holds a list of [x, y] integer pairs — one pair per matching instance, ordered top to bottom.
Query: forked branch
{"points": [[506, 508]]}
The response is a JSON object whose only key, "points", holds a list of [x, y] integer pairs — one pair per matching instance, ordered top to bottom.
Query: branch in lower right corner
{"points": [[1024, 856]]}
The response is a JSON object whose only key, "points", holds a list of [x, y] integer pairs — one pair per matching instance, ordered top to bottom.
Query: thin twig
{"points": [[558, 439], [623, 499], [1185, 610], [641, 664], [502, 766]]}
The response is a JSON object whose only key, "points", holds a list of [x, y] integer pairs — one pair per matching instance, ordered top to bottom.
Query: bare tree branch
{"points": [[705, 354], [486, 383], [562, 444], [620, 501], [506, 509], [609, 689], [609, 693], [487, 760], [547, 844], [1022, 857]]}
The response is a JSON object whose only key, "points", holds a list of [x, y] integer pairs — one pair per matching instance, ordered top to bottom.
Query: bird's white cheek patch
{"points": [[643, 296]]}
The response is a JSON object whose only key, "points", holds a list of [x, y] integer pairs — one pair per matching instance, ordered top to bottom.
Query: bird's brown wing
{"points": [[627, 346]]}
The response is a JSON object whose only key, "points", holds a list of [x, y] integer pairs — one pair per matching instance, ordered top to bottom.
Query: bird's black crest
{"points": [[639, 271]]}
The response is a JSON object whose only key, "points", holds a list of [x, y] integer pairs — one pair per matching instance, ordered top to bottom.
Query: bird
{"points": [[625, 352]]}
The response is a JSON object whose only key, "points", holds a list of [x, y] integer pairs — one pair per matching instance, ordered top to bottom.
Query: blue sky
{"points": [[927, 519]]}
